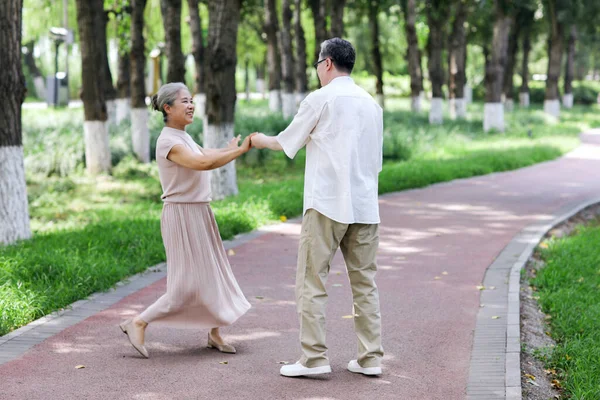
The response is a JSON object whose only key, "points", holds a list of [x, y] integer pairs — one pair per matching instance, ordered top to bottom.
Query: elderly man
{"points": [[342, 128]]}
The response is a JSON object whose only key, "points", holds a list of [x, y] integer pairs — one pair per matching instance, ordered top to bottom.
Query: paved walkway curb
{"points": [[18, 342], [495, 369]]}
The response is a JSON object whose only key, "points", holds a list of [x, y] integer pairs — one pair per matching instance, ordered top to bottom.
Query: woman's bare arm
{"points": [[216, 158]]}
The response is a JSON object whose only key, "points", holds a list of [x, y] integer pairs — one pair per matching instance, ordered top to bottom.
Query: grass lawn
{"points": [[91, 233], [569, 292]]}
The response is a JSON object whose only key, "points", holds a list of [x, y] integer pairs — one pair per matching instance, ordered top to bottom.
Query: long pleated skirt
{"points": [[201, 289]]}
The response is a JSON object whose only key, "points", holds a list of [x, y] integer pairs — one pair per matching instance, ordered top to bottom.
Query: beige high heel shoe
{"points": [[130, 330], [223, 348]]}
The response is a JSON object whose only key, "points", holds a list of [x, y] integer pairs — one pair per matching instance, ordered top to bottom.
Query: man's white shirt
{"points": [[342, 128]]}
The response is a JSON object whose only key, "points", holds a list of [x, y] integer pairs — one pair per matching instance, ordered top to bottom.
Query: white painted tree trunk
{"points": [[40, 87], [260, 87], [468, 93], [422, 95], [299, 98], [524, 99], [275, 100], [380, 100], [568, 100], [200, 102], [415, 103], [289, 105], [509, 105], [458, 108], [552, 108], [123, 110], [111, 112], [436, 113], [493, 117], [140, 134], [97, 150], [223, 180], [14, 214]]}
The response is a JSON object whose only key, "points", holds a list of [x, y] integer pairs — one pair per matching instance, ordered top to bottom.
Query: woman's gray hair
{"points": [[166, 95]]}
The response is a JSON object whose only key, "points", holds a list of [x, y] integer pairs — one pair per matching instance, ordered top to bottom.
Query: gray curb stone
{"points": [[495, 368]]}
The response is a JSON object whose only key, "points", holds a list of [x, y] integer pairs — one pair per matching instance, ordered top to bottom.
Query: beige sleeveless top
{"points": [[180, 184]]}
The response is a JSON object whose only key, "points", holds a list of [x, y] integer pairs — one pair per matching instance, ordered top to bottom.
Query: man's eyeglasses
{"points": [[318, 62]]}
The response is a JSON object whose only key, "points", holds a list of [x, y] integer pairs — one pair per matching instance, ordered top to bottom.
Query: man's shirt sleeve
{"points": [[297, 134]]}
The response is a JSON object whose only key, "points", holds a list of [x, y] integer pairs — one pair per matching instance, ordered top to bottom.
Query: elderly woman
{"points": [[201, 289]]}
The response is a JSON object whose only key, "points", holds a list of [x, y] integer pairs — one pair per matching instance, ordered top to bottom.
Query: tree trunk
{"points": [[319, 12], [171, 13], [224, 16], [337, 18], [436, 18], [91, 21], [197, 45], [375, 50], [555, 52], [198, 53], [413, 54], [273, 55], [457, 59], [287, 61], [570, 69], [509, 70], [494, 73], [301, 77], [247, 78], [260, 78], [38, 79], [123, 87], [524, 90], [110, 93], [140, 134], [14, 215]]}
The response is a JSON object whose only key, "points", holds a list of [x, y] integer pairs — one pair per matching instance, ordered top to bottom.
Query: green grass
{"points": [[91, 233], [569, 291]]}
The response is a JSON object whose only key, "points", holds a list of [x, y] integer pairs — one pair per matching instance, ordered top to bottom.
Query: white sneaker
{"points": [[353, 366], [300, 370]]}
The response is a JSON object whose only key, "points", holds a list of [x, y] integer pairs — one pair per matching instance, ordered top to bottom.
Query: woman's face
{"points": [[182, 110]]}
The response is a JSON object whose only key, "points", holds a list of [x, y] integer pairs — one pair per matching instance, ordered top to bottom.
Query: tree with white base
{"points": [[90, 15], [224, 16], [436, 16], [526, 19], [413, 54], [457, 59], [123, 108], [493, 117], [140, 135], [14, 215]]}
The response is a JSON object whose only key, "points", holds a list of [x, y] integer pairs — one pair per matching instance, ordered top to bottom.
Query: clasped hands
{"points": [[256, 140]]}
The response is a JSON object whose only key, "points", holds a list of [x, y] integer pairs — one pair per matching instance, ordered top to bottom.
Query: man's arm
{"points": [[294, 137], [262, 141]]}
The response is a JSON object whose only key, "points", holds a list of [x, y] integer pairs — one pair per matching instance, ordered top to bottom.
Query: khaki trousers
{"points": [[319, 242]]}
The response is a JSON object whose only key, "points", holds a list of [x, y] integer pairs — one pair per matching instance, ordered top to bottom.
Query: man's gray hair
{"points": [[341, 52]]}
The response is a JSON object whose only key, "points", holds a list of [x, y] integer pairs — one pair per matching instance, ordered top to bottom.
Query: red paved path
{"points": [[457, 228]]}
